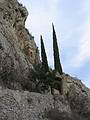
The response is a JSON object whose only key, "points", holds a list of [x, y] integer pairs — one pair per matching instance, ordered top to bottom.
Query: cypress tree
{"points": [[43, 56], [57, 63]]}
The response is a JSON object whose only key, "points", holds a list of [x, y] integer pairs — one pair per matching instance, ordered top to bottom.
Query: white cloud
{"points": [[40, 20], [75, 52], [83, 52], [87, 81]]}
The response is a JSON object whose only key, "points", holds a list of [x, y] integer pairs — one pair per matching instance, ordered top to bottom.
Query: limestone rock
{"points": [[18, 51], [18, 54], [24, 105]]}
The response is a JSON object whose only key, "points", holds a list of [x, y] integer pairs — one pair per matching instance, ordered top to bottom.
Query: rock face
{"points": [[18, 51], [18, 54], [74, 104]]}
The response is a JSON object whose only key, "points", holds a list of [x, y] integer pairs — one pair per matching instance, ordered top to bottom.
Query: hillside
{"points": [[25, 93]]}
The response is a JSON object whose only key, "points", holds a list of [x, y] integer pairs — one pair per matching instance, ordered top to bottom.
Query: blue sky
{"points": [[72, 24]]}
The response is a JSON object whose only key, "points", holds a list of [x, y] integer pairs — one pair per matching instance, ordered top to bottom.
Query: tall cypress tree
{"points": [[43, 56], [57, 63]]}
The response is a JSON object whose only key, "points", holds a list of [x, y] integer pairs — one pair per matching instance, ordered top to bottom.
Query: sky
{"points": [[71, 19]]}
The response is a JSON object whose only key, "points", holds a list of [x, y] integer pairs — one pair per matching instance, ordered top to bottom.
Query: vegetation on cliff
{"points": [[43, 56], [57, 63]]}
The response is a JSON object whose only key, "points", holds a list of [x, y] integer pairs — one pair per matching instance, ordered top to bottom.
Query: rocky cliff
{"points": [[18, 51], [18, 56], [74, 104]]}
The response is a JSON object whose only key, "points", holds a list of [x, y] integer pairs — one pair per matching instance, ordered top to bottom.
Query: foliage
{"points": [[43, 56], [57, 63], [45, 81]]}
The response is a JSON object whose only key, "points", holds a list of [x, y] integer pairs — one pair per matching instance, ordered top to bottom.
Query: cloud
{"points": [[42, 14], [40, 21], [72, 23], [83, 51], [87, 81]]}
